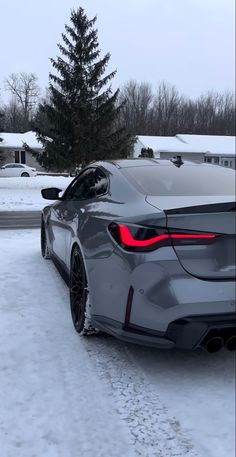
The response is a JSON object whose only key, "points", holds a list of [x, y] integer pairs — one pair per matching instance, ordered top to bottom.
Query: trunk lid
{"points": [[212, 215]]}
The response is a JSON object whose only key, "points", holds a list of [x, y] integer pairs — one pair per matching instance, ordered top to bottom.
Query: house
{"points": [[166, 147], [12, 148], [198, 148], [220, 149]]}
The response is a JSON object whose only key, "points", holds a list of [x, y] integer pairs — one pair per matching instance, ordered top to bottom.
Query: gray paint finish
{"points": [[169, 283]]}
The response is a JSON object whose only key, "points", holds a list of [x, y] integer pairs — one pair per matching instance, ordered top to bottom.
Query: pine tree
{"points": [[81, 120], [147, 152]]}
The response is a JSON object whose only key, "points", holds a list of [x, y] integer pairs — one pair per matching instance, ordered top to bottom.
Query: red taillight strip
{"points": [[128, 239]]}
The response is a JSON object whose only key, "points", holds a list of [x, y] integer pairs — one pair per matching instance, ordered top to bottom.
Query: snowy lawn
{"points": [[18, 194], [62, 395]]}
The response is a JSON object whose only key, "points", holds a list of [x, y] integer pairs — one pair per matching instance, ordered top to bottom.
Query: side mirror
{"points": [[52, 193]]}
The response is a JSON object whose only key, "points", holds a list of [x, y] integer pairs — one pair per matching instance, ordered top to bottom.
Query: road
{"points": [[19, 219]]}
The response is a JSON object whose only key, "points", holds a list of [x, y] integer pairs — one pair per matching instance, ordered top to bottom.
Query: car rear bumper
{"points": [[195, 331], [187, 333]]}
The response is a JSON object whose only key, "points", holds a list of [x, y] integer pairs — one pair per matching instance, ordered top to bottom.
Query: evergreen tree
{"points": [[81, 120], [147, 152]]}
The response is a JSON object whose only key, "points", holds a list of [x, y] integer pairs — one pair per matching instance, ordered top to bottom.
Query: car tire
{"points": [[25, 174], [45, 251], [79, 294]]}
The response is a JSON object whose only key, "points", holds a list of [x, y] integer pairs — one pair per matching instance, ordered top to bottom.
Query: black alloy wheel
{"points": [[25, 174], [44, 244], [78, 291]]}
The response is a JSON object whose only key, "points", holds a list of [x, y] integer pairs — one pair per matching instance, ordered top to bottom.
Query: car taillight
{"points": [[142, 239]]}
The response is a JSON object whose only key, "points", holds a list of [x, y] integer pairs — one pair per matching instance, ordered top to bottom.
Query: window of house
{"points": [[17, 156], [20, 157], [226, 163]]}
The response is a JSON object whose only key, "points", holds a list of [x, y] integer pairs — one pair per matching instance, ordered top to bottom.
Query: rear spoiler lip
{"points": [[208, 208]]}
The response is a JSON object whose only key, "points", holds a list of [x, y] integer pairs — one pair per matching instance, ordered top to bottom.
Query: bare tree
{"points": [[25, 92], [138, 98], [166, 109], [167, 112], [14, 120]]}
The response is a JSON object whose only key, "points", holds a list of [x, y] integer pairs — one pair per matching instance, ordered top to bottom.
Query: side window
{"points": [[91, 183], [101, 183], [83, 188]]}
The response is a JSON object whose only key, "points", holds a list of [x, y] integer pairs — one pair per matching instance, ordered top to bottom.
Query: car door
{"points": [[13, 170], [17, 170], [66, 214]]}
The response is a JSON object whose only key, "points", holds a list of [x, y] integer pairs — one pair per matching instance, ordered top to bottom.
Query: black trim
{"points": [[209, 208], [61, 268], [129, 305], [143, 331], [192, 332], [187, 333]]}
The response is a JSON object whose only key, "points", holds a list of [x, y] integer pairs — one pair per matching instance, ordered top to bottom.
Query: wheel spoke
{"points": [[77, 278], [77, 290]]}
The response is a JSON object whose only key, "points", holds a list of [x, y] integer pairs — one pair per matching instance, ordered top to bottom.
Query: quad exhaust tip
{"points": [[217, 343], [231, 343], [214, 344]]}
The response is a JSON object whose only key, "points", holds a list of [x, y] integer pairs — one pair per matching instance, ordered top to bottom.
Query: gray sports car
{"points": [[147, 248]]}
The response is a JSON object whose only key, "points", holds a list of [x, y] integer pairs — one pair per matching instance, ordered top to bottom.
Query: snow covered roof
{"points": [[16, 140], [169, 144], [214, 144]]}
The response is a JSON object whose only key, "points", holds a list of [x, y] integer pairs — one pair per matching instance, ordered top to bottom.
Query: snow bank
{"points": [[18, 194]]}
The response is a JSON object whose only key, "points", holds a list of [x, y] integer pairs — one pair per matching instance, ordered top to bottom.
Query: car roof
{"points": [[142, 162], [15, 163]]}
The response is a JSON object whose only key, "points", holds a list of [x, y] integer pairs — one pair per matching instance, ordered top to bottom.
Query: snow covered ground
{"points": [[24, 194], [62, 395]]}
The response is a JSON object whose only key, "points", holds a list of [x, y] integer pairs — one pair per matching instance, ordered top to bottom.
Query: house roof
{"points": [[16, 140], [169, 144], [214, 144]]}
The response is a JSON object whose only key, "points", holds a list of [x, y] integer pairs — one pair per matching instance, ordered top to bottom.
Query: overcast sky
{"points": [[189, 43]]}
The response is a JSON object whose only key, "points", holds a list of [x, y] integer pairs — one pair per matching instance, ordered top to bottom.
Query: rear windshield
{"points": [[165, 180]]}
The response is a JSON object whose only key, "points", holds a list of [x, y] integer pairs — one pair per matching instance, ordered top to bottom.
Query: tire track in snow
{"points": [[101, 430], [153, 432]]}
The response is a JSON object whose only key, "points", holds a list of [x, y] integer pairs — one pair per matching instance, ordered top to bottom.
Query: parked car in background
{"points": [[16, 170], [147, 248]]}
